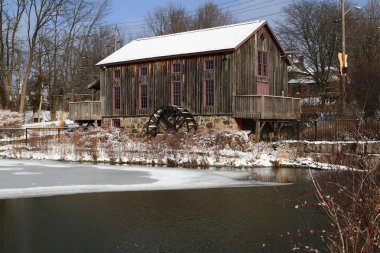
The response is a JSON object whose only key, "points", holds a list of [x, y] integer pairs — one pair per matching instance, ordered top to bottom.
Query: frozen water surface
{"points": [[31, 178]]}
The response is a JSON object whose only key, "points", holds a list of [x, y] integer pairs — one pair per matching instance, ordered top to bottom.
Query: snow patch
{"points": [[27, 173]]}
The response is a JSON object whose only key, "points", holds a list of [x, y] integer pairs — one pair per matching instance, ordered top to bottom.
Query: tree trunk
{"points": [[27, 73]]}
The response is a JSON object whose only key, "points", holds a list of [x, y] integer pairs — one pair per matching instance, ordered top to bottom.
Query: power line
{"points": [[236, 11], [187, 12]]}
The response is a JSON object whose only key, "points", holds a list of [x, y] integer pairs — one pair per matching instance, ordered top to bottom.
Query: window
{"points": [[262, 63], [209, 65], [176, 67], [143, 71], [116, 73], [209, 84], [209, 92], [176, 93], [143, 96], [116, 99], [116, 123]]}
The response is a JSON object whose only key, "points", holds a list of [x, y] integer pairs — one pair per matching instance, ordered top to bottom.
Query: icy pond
{"points": [[50, 206]]}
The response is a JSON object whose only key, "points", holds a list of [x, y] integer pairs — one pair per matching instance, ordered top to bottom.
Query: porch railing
{"points": [[267, 107], [85, 110]]}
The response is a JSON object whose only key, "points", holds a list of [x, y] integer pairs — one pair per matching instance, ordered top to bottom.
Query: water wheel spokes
{"points": [[170, 119]]}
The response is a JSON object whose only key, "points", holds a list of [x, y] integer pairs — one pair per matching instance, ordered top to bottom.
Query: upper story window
{"points": [[262, 63], [209, 65], [176, 68], [143, 71], [117, 73]]}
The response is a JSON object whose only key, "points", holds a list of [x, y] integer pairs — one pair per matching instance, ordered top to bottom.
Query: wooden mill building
{"points": [[232, 76]]}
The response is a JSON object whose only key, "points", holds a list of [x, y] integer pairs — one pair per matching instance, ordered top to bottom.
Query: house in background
{"points": [[232, 76], [302, 85]]}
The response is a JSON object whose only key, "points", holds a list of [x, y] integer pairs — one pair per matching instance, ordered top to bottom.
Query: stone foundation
{"points": [[216, 122], [136, 124], [132, 125], [336, 152]]}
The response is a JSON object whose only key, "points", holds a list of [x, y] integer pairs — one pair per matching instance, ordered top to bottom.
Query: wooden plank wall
{"points": [[244, 62], [235, 74], [159, 86]]}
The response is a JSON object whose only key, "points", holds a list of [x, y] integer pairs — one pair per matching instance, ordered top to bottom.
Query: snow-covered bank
{"points": [[207, 149], [28, 178]]}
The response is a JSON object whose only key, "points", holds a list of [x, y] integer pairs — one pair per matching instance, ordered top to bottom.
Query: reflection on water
{"points": [[278, 175], [247, 219]]}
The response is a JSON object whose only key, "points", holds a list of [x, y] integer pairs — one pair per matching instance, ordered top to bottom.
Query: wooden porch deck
{"points": [[267, 107], [263, 110], [85, 111]]}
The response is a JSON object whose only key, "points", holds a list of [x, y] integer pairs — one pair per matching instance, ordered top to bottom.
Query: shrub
{"points": [[9, 119], [351, 201]]}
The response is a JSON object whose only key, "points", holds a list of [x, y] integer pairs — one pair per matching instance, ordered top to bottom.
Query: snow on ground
{"points": [[57, 123], [215, 149], [28, 178]]}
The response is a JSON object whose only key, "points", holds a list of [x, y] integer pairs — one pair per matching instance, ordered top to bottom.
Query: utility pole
{"points": [[116, 37], [343, 76], [343, 79]]}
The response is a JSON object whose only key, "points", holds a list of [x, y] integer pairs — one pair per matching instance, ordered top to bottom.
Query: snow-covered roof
{"points": [[223, 38], [295, 69], [306, 80]]}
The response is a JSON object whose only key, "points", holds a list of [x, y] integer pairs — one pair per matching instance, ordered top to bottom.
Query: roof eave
{"points": [[227, 50]]}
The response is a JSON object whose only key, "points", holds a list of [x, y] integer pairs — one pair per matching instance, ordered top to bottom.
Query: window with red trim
{"points": [[262, 63], [116, 123]]}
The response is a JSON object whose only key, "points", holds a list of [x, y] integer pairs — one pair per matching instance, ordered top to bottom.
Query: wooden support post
{"points": [[275, 129], [257, 130], [298, 130], [315, 130], [26, 136]]}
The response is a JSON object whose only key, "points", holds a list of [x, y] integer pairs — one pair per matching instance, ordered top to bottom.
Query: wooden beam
{"points": [[257, 130]]}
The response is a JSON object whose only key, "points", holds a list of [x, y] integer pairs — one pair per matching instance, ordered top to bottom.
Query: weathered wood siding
{"points": [[244, 63], [235, 73], [159, 80], [267, 107], [85, 110]]}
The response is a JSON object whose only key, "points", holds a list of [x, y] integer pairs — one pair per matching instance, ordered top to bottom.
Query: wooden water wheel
{"points": [[170, 119]]}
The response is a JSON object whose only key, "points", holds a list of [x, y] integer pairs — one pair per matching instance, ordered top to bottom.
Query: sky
{"points": [[128, 15]]}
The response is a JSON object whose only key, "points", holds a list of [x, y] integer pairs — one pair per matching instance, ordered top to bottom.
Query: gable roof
{"points": [[211, 40]]}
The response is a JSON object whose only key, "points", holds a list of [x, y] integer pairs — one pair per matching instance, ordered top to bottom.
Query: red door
{"points": [[262, 88]]}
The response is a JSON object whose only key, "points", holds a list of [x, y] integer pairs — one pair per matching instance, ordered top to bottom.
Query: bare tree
{"points": [[39, 13], [210, 15], [175, 18], [170, 19], [309, 29], [364, 46], [12, 49], [2, 60]]}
